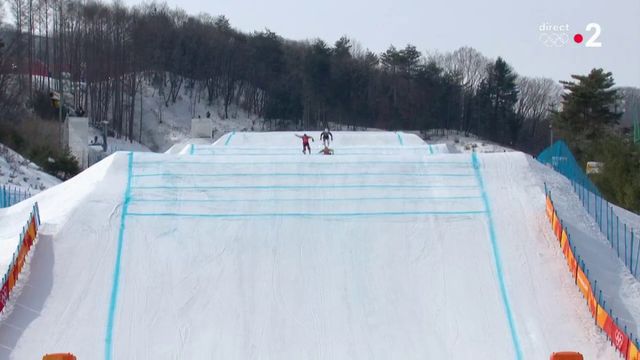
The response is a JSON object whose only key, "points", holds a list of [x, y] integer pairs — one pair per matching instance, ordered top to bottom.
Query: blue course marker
{"points": [[229, 138], [400, 139], [430, 149], [192, 150], [464, 164], [285, 174], [305, 187], [323, 199], [309, 214], [496, 258], [108, 341]]}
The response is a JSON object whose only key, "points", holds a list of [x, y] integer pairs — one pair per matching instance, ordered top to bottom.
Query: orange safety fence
{"points": [[27, 239], [627, 347]]}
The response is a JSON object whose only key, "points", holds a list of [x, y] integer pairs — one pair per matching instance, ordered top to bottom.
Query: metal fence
{"points": [[562, 160], [12, 195], [623, 238]]}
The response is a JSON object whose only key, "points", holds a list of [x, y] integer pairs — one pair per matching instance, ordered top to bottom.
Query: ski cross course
{"points": [[390, 249]]}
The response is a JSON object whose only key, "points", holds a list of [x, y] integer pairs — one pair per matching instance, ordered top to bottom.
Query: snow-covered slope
{"points": [[21, 173], [248, 249]]}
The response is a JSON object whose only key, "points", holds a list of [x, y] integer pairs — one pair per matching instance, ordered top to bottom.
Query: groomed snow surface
{"points": [[249, 249]]}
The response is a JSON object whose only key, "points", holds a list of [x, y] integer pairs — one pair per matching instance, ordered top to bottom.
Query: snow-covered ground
{"points": [[163, 126], [458, 142], [114, 144], [18, 172], [628, 217], [247, 248], [620, 289]]}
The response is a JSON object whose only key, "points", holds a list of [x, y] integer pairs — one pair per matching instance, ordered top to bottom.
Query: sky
{"points": [[507, 28]]}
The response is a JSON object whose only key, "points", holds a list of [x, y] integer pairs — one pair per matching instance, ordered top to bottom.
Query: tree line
{"points": [[105, 53], [589, 121]]}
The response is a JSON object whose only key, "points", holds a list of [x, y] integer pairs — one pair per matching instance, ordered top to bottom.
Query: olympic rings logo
{"points": [[554, 39]]}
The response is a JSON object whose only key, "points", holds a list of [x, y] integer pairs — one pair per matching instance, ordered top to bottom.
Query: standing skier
{"points": [[325, 137], [305, 142]]}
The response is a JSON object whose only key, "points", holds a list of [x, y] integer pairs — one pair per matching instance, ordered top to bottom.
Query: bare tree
{"points": [[537, 96], [631, 105]]}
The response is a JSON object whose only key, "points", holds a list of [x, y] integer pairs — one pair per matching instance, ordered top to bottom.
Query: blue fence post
{"points": [[588, 207], [600, 213], [608, 224], [611, 231], [617, 233], [625, 233], [630, 256], [636, 268]]}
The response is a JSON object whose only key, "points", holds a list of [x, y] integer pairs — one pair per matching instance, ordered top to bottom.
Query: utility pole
{"points": [[60, 112], [636, 129], [140, 134]]}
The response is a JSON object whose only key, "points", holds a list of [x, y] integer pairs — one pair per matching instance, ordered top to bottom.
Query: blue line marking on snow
{"points": [[229, 138], [400, 139], [295, 148], [430, 149], [192, 150], [297, 155], [333, 163], [297, 174], [306, 187], [385, 198], [310, 214], [496, 258], [116, 271]]}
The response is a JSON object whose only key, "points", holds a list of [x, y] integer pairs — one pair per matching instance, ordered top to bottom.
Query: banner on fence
{"points": [[27, 239], [621, 341]]}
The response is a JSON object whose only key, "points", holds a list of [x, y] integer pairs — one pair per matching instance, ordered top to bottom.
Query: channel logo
{"points": [[558, 35]]}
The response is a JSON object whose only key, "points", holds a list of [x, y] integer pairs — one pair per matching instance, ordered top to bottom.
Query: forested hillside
{"points": [[105, 52], [104, 58]]}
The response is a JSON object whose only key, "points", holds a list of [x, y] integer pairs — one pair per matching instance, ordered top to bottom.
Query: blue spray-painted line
{"points": [[229, 138], [400, 139], [351, 147], [430, 149], [192, 150], [338, 153], [227, 163], [297, 174], [306, 187], [385, 198], [310, 214], [496, 258], [116, 271]]}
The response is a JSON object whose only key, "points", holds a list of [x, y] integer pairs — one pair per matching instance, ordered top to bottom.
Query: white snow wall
{"points": [[248, 249]]}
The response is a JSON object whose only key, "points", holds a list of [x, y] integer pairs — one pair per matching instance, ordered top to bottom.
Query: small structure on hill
{"points": [[201, 128], [77, 139]]}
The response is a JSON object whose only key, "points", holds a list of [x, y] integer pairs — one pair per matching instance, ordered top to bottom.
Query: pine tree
{"points": [[497, 96], [588, 105]]}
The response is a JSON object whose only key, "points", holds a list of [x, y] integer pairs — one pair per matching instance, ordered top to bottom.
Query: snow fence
{"points": [[12, 195], [620, 235], [27, 239], [624, 342]]}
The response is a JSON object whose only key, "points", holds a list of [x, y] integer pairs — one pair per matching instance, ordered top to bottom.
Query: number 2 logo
{"points": [[593, 40]]}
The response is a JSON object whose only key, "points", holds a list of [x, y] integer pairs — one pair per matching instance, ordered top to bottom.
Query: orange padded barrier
{"points": [[566, 355], [59, 356]]}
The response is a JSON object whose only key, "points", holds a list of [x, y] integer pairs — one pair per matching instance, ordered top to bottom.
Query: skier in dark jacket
{"points": [[326, 134]]}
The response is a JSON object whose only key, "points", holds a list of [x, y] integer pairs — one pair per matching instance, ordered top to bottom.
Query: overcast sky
{"points": [[507, 28]]}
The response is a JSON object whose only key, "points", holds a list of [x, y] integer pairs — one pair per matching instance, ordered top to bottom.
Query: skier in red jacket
{"points": [[305, 142]]}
